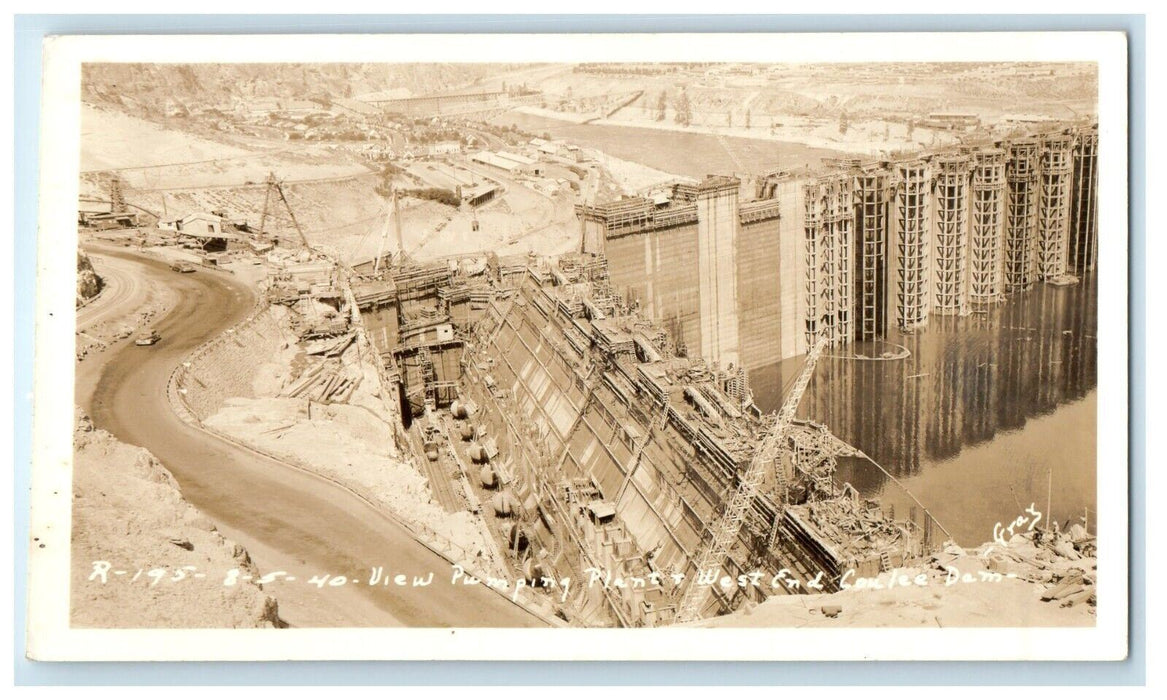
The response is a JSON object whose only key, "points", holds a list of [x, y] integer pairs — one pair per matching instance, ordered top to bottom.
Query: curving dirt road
{"points": [[288, 520]]}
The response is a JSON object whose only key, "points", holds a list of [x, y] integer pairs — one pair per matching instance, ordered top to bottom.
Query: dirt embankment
{"points": [[254, 396], [177, 569]]}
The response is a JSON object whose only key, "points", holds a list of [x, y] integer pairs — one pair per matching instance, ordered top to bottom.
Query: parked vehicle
{"points": [[179, 266], [148, 338]]}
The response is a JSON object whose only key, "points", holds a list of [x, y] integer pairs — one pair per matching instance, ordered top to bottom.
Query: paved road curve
{"points": [[122, 291], [289, 520]]}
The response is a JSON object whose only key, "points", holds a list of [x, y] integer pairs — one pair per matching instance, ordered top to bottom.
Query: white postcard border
{"points": [[51, 638]]}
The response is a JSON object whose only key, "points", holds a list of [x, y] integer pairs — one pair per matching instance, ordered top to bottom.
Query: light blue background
{"points": [[31, 29]]}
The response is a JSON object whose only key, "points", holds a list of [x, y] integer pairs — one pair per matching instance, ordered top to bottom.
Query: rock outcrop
{"points": [[177, 569]]}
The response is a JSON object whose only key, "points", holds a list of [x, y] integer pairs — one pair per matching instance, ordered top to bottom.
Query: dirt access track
{"points": [[289, 521]]}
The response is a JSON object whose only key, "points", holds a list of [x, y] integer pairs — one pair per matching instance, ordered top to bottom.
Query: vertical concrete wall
{"points": [[717, 233], [591, 235], [792, 269], [659, 270], [760, 294]]}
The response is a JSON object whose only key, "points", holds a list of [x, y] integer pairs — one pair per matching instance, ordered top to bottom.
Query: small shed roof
{"points": [[602, 509]]}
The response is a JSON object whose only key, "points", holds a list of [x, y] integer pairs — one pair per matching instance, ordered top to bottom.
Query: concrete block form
{"points": [[872, 206], [1021, 206], [1084, 219], [1053, 223], [986, 251], [912, 267], [950, 276]]}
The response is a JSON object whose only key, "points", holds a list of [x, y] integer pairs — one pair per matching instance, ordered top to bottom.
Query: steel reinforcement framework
{"points": [[1021, 173], [828, 252]]}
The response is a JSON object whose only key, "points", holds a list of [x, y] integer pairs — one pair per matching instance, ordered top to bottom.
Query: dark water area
{"points": [[680, 153], [987, 412]]}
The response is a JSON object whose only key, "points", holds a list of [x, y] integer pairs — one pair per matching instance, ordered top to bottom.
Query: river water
{"points": [[990, 413]]}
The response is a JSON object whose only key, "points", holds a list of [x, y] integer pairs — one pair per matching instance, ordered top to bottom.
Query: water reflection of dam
{"points": [[967, 380]]}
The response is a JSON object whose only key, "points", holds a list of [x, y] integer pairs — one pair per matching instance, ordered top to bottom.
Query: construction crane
{"points": [[278, 186], [392, 222], [725, 530]]}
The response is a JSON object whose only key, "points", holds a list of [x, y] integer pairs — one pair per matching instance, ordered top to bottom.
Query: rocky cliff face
{"points": [[88, 283], [129, 516]]}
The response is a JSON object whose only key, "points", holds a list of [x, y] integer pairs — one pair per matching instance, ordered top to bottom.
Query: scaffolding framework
{"points": [[1021, 174], [871, 195], [840, 215], [1053, 222], [812, 223], [947, 233], [985, 237], [1084, 243], [911, 245], [827, 253], [950, 261]]}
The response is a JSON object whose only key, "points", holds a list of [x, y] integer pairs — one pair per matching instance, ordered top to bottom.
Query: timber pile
{"points": [[330, 347], [324, 382], [1075, 588]]}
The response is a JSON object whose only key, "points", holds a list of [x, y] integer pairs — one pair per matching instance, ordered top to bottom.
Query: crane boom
{"points": [[291, 215], [726, 528]]}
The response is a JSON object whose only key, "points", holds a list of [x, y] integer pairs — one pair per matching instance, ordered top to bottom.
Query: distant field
{"points": [[692, 155]]}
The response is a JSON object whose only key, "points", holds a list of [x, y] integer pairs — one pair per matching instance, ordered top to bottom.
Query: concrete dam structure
{"points": [[746, 271], [594, 408], [601, 451]]}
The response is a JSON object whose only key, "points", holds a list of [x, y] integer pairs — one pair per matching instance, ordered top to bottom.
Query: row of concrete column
{"points": [[944, 234]]}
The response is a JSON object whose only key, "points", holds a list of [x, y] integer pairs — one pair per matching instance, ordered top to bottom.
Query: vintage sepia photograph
{"points": [[587, 344]]}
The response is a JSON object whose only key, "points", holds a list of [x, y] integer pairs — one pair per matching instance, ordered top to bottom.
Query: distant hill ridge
{"points": [[154, 88]]}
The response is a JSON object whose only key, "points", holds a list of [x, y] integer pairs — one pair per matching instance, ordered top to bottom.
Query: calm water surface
{"points": [[986, 412]]}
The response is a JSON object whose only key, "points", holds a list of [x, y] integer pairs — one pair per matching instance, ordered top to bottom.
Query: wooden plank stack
{"points": [[324, 382]]}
